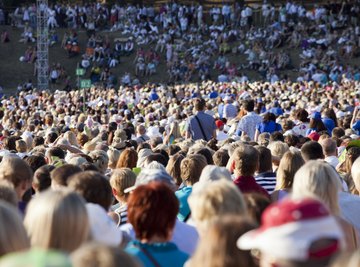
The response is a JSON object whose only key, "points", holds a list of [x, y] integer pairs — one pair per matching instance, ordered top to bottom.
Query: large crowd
{"points": [[196, 44], [226, 173]]}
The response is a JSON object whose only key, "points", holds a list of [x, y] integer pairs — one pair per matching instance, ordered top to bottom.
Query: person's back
{"points": [[201, 125], [164, 254]]}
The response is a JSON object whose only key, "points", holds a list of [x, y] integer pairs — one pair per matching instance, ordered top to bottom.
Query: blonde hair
{"points": [[71, 137], [278, 149], [113, 155], [290, 163], [122, 179], [317, 179], [211, 200], [57, 220], [13, 236], [219, 248], [94, 254]]}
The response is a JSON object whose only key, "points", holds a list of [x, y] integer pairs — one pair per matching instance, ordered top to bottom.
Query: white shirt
{"points": [[332, 160], [349, 207]]}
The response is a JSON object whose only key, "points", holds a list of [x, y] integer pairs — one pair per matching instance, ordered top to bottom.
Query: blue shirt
{"points": [[207, 122], [329, 124], [356, 126], [269, 127], [183, 195], [165, 254]]}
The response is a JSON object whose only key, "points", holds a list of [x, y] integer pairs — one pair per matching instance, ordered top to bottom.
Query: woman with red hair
{"points": [[152, 211]]}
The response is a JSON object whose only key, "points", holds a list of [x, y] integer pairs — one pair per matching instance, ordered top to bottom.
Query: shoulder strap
{"points": [[201, 128], [148, 255]]}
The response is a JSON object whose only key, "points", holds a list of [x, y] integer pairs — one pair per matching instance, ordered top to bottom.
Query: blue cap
{"points": [[315, 115]]}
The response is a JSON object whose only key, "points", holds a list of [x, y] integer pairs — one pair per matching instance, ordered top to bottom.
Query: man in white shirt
{"points": [[330, 151]]}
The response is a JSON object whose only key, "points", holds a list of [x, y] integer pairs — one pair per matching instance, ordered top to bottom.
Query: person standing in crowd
{"points": [[248, 123], [201, 125]]}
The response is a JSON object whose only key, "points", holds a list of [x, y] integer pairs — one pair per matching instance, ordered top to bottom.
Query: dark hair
{"points": [[199, 104], [248, 105], [302, 115], [269, 117], [318, 125], [338, 132], [276, 136], [51, 137], [292, 140], [38, 141], [10, 143], [173, 149], [312, 150], [56, 152], [206, 153], [164, 154], [158, 158], [221, 158], [265, 160], [35, 161], [61, 174], [42, 177], [93, 187], [256, 204], [152, 210]]}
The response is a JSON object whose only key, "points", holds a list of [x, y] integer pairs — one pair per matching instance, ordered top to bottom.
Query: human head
{"points": [[199, 104], [248, 105], [21, 146], [329, 147], [278, 149], [312, 150], [54, 153], [113, 155], [221, 158], [128, 159], [100, 160], [245, 160], [265, 160], [35, 161], [290, 163], [173, 167], [191, 168], [18, 173], [213, 173], [60, 175], [42, 178], [318, 179], [120, 180], [93, 186], [7, 193], [211, 200], [256, 204], [152, 210], [57, 220], [284, 224], [13, 236], [219, 246], [101, 256]]}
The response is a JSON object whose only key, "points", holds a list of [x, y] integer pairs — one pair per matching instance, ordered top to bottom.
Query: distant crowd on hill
{"points": [[192, 43]]}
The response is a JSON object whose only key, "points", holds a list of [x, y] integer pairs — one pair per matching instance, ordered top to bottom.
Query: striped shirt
{"points": [[267, 180]]}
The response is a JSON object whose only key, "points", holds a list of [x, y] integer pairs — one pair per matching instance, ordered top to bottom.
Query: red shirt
{"points": [[247, 184]]}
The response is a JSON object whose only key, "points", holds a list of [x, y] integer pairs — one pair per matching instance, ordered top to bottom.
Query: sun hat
{"points": [[148, 175], [289, 228]]}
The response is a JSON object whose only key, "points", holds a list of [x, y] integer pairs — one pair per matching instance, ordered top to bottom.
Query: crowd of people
{"points": [[316, 42], [211, 173], [203, 174]]}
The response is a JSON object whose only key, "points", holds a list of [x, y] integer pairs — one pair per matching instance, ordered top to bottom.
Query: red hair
{"points": [[152, 210]]}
